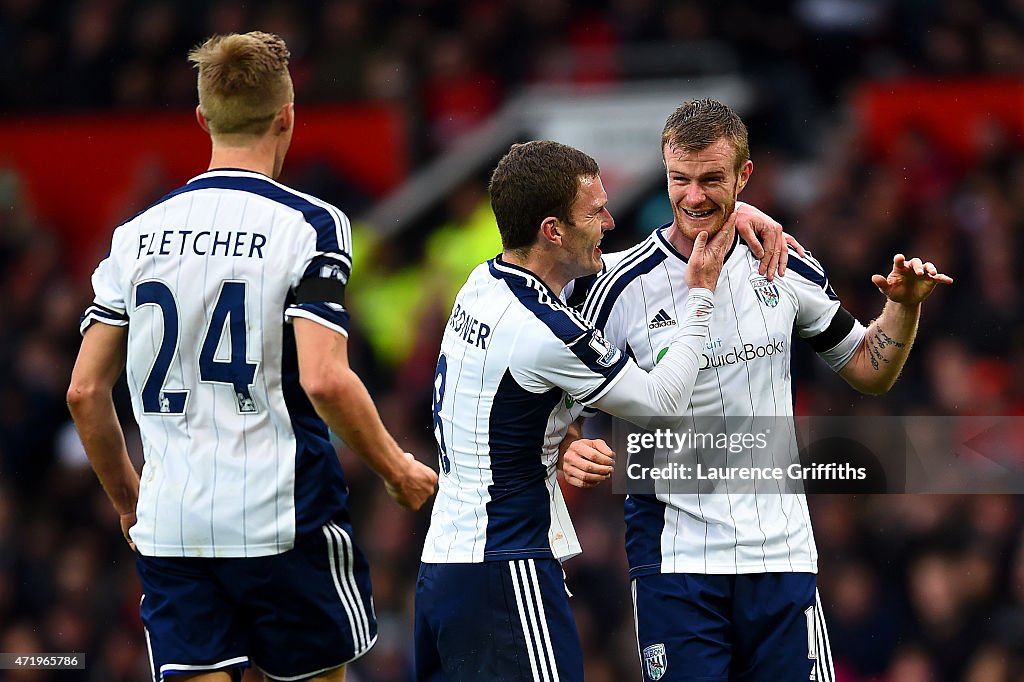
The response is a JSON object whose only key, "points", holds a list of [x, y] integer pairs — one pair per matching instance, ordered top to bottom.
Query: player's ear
{"points": [[285, 118], [202, 119], [745, 171], [551, 230]]}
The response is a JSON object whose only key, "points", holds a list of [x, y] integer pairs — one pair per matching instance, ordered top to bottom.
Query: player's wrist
{"points": [[704, 293], [700, 300], [906, 307], [388, 467]]}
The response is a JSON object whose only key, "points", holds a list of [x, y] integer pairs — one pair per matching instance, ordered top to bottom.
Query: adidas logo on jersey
{"points": [[660, 320]]}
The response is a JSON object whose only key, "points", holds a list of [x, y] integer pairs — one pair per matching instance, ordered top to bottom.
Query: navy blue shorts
{"points": [[292, 615], [496, 621], [713, 628]]}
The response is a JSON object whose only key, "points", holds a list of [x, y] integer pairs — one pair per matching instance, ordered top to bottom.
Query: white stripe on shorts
{"points": [[344, 582], [543, 617], [533, 620], [149, 644], [824, 660]]}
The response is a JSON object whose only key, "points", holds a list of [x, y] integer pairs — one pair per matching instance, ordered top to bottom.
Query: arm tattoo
{"points": [[886, 340], [878, 341], [875, 352]]}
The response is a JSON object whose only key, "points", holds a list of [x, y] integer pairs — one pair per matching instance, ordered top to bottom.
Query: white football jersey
{"points": [[515, 367], [745, 372], [237, 463]]}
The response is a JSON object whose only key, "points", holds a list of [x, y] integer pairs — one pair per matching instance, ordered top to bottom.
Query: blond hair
{"points": [[243, 81], [698, 124]]}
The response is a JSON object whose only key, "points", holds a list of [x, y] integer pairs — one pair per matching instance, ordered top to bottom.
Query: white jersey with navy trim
{"points": [[515, 366], [745, 372], [236, 460]]}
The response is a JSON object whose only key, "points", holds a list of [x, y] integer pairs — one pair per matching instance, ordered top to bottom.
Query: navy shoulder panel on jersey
{"points": [[330, 224], [640, 261], [812, 271], [538, 298], [585, 342]]}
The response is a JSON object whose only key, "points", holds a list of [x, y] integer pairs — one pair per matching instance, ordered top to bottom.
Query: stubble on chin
{"points": [[690, 231]]}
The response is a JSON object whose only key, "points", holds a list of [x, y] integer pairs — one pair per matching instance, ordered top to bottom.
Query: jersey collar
{"points": [[231, 172], [662, 241], [501, 269]]}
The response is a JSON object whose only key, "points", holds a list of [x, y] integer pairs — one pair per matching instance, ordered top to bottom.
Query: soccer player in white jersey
{"points": [[226, 301], [516, 367], [724, 583]]}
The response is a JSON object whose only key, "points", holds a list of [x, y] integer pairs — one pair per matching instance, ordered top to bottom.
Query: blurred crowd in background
{"points": [[915, 588]]}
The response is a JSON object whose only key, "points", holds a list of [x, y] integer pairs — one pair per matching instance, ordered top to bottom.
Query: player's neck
{"points": [[256, 158], [675, 237], [548, 271]]}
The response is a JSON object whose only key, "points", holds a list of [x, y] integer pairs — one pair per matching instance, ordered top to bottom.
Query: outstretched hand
{"points": [[910, 281], [587, 462]]}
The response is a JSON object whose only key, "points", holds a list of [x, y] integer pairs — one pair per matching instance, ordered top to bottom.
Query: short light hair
{"points": [[243, 81], [699, 123], [533, 181]]}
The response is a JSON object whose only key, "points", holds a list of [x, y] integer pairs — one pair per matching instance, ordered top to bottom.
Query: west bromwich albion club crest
{"points": [[766, 291], [655, 661]]}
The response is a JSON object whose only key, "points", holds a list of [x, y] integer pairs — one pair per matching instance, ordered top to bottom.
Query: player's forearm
{"points": [[878, 361], [666, 389], [348, 410], [573, 433], [103, 440]]}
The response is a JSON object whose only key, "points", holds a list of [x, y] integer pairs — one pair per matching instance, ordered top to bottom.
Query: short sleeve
{"points": [[319, 294], [109, 298], [817, 303], [829, 328], [585, 367]]}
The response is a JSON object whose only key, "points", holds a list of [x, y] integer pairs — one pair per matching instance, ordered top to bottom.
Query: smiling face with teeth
{"points": [[703, 186], [551, 209], [589, 220]]}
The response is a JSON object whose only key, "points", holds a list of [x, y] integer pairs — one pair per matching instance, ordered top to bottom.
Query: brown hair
{"points": [[243, 81], [697, 124], [533, 181]]}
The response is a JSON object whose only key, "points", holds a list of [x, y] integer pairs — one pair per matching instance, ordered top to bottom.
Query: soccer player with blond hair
{"points": [[225, 302], [724, 578]]}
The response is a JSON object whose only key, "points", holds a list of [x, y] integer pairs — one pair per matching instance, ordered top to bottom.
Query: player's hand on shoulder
{"points": [[763, 235], [766, 239], [797, 246], [911, 281], [587, 462], [416, 485]]}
